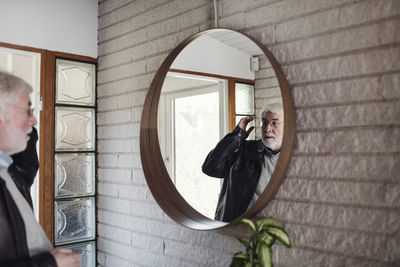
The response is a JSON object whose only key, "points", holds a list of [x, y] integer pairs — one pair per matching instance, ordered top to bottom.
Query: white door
{"points": [[25, 65]]}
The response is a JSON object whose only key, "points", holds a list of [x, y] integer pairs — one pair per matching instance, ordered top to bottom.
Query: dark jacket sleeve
{"points": [[218, 160], [13, 246], [44, 259]]}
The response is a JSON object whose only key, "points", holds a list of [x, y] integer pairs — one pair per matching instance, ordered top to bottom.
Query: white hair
{"points": [[10, 87], [273, 108]]}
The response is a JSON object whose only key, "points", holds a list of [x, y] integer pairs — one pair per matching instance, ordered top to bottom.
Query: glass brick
{"points": [[75, 83], [244, 99], [75, 129], [74, 174], [74, 220], [88, 252]]}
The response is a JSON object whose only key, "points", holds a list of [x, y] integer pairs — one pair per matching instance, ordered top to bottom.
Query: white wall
{"points": [[57, 25], [341, 198]]}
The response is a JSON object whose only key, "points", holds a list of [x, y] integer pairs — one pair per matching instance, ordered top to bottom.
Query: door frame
{"points": [[46, 131]]}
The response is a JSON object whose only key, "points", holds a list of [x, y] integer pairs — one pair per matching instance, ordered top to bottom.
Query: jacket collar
{"points": [[257, 150], [5, 160]]}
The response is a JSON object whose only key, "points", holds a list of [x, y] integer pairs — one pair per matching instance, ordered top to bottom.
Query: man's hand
{"points": [[243, 124], [66, 257]]}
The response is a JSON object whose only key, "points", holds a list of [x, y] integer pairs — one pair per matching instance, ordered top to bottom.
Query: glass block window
{"points": [[75, 82], [244, 99], [244, 104], [75, 129], [75, 158], [74, 174], [74, 220], [87, 250]]}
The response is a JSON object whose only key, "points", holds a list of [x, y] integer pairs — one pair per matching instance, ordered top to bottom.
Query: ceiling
{"points": [[236, 40], [179, 81]]}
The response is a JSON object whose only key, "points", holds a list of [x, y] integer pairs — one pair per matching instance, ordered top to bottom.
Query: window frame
{"points": [[231, 91], [47, 130]]}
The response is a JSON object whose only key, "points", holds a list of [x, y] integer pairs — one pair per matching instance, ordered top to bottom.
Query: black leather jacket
{"points": [[238, 162], [25, 166], [13, 245]]}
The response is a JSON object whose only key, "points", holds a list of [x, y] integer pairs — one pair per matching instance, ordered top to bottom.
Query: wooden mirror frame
{"points": [[157, 177]]}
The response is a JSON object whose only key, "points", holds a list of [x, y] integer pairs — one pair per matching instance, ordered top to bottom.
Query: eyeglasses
{"points": [[29, 111], [274, 123]]}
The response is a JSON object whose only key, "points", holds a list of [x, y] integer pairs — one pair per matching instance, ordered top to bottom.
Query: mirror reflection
{"points": [[215, 139]]}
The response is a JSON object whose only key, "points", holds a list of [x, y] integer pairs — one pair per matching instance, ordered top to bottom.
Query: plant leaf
{"points": [[266, 221], [249, 223], [280, 234], [266, 238], [244, 242], [241, 255], [264, 255], [239, 260]]}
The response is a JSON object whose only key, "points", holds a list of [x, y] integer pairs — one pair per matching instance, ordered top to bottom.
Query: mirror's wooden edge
{"points": [[285, 156], [163, 190]]}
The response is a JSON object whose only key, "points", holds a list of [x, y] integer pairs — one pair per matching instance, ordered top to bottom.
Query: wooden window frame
{"points": [[231, 91], [47, 130]]}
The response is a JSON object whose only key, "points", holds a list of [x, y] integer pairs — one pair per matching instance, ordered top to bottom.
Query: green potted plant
{"points": [[259, 246]]}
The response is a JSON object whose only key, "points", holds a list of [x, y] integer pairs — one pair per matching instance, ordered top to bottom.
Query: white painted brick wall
{"points": [[340, 201]]}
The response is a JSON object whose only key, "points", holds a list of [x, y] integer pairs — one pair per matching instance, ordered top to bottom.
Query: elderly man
{"points": [[245, 165], [23, 241]]}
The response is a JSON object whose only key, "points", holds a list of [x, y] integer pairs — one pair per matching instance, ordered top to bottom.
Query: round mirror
{"points": [[206, 88]]}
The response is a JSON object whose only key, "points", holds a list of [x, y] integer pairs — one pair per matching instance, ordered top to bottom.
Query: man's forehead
{"points": [[273, 116]]}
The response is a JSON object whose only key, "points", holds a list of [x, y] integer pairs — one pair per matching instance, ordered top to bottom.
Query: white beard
{"points": [[14, 139], [271, 143]]}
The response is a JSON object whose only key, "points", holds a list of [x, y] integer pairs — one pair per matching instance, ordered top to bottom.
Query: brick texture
{"points": [[340, 201]]}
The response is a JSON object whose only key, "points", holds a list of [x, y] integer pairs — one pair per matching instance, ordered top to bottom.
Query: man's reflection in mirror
{"points": [[245, 165]]}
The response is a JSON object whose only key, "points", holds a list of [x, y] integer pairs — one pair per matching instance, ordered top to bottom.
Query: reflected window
{"points": [[244, 104], [195, 112], [191, 122], [196, 132]]}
